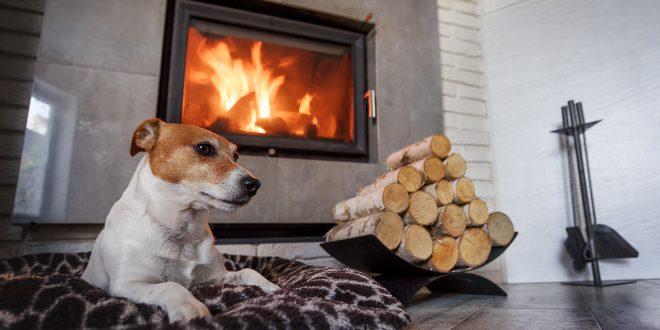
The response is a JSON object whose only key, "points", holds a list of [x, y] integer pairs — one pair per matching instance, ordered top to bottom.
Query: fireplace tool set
{"points": [[602, 242]]}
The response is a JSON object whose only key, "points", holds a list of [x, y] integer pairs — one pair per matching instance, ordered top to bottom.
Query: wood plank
{"points": [[36, 6], [18, 21], [19, 44], [19, 68], [15, 93], [13, 118], [11, 144], [9, 168], [546, 295], [505, 318]]}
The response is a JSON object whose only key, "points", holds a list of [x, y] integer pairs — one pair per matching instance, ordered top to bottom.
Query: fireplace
{"points": [[274, 79]]}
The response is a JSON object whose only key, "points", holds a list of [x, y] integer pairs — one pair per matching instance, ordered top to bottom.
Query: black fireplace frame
{"points": [[286, 20]]}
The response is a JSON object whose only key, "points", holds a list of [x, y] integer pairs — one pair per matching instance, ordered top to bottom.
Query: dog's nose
{"points": [[251, 185]]}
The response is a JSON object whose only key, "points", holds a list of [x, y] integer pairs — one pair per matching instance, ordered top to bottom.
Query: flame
{"points": [[305, 103]]}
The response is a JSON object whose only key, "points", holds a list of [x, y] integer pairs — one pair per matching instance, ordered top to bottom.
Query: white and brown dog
{"points": [[156, 242]]}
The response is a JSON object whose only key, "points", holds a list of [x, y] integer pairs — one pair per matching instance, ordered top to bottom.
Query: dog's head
{"points": [[199, 163]]}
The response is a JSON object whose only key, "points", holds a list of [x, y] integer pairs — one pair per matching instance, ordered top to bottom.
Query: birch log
{"points": [[437, 145], [455, 166], [431, 168], [407, 176], [463, 190], [442, 192], [393, 198], [422, 209], [476, 212], [452, 221], [386, 226], [500, 228], [416, 245], [473, 247], [444, 255]]}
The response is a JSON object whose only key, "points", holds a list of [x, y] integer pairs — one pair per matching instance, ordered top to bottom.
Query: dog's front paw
{"points": [[186, 309]]}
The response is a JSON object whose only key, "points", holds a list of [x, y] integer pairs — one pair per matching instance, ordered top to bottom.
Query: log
{"points": [[437, 145], [455, 166], [431, 168], [407, 176], [463, 190], [442, 192], [393, 197], [422, 209], [476, 212], [451, 221], [386, 226], [500, 228], [416, 244], [473, 248], [445, 254]]}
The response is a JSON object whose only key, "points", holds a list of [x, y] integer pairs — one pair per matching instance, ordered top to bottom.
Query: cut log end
{"points": [[440, 146], [455, 166], [434, 169], [410, 178], [463, 190], [444, 192], [395, 198], [423, 209], [477, 212], [452, 220], [500, 228], [389, 230], [416, 245], [474, 247], [445, 254]]}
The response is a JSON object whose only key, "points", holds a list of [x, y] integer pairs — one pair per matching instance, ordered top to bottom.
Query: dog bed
{"points": [[45, 291]]}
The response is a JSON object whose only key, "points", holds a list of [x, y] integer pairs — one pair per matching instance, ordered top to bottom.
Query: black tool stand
{"points": [[403, 279]]}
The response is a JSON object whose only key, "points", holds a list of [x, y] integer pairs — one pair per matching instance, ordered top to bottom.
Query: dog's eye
{"points": [[205, 149], [235, 156]]}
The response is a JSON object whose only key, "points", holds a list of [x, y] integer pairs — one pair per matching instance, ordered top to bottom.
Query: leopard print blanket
{"points": [[44, 291]]}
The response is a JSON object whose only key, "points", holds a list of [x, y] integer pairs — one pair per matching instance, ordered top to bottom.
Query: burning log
{"points": [[274, 126], [437, 145], [455, 166], [432, 169], [407, 176], [463, 190], [442, 192], [393, 197], [422, 210], [477, 212], [452, 221], [386, 226], [500, 228], [416, 244], [473, 248], [444, 255]]}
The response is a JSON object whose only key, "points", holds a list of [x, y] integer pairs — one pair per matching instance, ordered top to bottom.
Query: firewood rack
{"points": [[403, 279]]}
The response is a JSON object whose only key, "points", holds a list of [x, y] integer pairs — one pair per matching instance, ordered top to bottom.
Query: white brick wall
{"points": [[464, 107]]}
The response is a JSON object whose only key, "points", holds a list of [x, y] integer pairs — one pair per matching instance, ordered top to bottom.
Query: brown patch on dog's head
{"points": [[184, 153]]}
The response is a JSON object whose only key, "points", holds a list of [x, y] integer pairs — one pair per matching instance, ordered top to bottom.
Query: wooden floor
{"points": [[543, 306]]}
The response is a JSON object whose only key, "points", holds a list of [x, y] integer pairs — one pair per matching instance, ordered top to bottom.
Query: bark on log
{"points": [[437, 145], [455, 166], [431, 168], [407, 176], [463, 190], [442, 192], [393, 197], [422, 209], [476, 212], [452, 221], [386, 226], [500, 228], [416, 244], [473, 247], [445, 254]]}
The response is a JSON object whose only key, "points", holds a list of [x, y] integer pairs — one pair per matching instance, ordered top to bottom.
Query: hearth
{"points": [[274, 79]]}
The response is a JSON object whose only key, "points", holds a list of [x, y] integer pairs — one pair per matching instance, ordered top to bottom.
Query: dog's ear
{"points": [[145, 135]]}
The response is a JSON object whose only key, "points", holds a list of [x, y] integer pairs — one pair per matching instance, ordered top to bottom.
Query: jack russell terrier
{"points": [[156, 242]]}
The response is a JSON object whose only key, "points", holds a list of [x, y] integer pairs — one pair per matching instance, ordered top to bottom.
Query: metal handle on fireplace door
{"points": [[370, 95]]}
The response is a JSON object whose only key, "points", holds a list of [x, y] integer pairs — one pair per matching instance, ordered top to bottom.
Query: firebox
{"points": [[273, 79]]}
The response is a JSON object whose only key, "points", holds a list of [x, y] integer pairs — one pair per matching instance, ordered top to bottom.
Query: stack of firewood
{"points": [[425, 209]]}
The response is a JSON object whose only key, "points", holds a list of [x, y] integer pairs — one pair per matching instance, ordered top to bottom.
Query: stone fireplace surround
{"points": [[111, 63]]}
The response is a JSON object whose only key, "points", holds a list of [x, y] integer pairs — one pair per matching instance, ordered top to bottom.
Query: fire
{"points": [[256, 93]]}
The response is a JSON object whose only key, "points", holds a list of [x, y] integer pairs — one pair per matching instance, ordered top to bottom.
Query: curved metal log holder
{"points": [[602, 242], [403, 279]]}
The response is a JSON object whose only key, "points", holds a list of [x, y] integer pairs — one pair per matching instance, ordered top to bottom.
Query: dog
{"points": [[157, 242]]}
